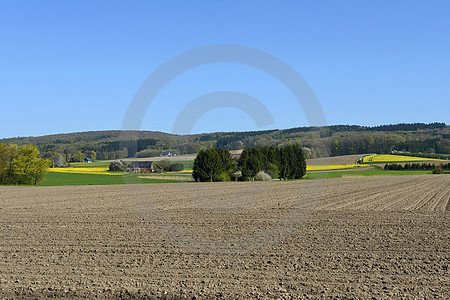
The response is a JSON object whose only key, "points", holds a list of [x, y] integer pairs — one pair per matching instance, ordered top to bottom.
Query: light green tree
{"points": [[78, 157], [21, 165]]}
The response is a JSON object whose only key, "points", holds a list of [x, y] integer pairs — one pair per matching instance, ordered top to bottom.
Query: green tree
{"points": [[90, 154], [7, 155], [78, 157], [59, 160], [292, 162], [250, 163], [165, 164], [21, 165], [213, 165], [117, 166], [176, 167]]}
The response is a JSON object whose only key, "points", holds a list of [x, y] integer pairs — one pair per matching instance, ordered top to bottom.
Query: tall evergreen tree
{"points": [[292, 162], [213, 165]]}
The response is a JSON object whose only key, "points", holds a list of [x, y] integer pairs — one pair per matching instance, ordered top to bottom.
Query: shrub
{"points": [[165, 164], [117, 166], [176, 167], [272, 169], [438, 170], [224, 176], [235, 176], [262, 176]]}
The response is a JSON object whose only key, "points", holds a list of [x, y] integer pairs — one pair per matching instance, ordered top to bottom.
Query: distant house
{"points": [[166, 154], [87, 160], [143, 167]]}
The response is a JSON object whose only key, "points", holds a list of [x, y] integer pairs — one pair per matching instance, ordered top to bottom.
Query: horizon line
{"points": [[213, 132]]}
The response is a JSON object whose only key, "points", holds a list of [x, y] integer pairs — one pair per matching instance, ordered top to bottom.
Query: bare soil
{"points": [[335, 160], [382, 237]]}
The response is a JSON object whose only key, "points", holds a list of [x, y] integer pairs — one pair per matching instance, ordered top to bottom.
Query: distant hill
{"points": [[88, 136], [320, 141]]}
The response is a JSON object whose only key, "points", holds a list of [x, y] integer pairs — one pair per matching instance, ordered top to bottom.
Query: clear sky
{"points": [[69, 66]]}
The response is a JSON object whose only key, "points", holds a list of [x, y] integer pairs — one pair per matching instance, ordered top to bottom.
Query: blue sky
{"points": [[69, 66]]}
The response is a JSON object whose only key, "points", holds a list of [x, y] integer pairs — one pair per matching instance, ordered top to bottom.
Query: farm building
{"points": [[167, 154], [87, 160], [143, 166]]}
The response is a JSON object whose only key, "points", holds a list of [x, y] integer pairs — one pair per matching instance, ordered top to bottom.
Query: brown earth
{"points": [[335, 160], [376, 237]]}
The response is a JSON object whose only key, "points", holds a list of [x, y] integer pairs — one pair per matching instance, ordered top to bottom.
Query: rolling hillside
{"points": [[417, 138]]}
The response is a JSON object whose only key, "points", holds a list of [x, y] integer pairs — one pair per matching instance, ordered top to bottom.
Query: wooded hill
{"points": [[320, 141]]}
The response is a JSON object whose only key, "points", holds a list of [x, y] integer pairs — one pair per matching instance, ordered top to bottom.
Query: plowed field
{"points": [[334, 160], [358, 237]]}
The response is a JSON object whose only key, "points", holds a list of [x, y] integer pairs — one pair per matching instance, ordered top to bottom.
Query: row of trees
{"points": [[287, 162], [217, 164], [21, 165], [166, 166], [415, 166]]}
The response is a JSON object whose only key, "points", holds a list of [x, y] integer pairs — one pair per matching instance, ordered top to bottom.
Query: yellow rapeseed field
{"points": [[393, 158], [95, 170]]}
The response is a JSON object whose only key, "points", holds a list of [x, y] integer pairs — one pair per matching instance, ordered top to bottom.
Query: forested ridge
{"points": [[322, 141]]}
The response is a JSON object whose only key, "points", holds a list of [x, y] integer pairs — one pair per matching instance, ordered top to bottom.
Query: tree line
{"points": [[255, 163], [21, 165], [164, 166], [415, 166]]}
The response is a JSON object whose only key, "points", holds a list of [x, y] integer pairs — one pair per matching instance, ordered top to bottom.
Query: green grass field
{"points": [[59, 179]]}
